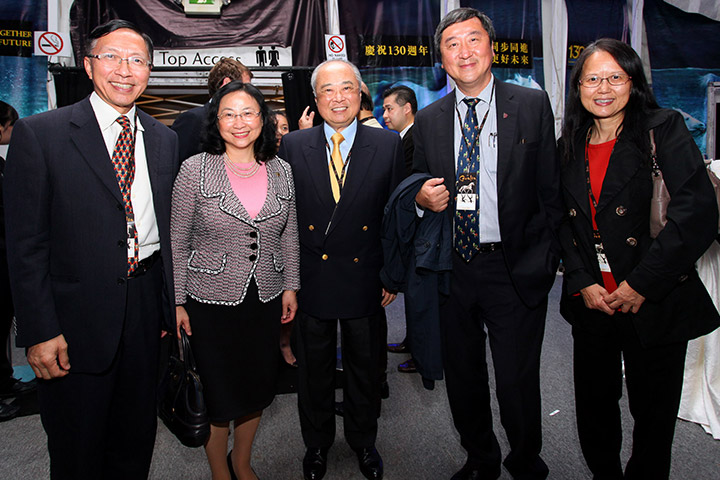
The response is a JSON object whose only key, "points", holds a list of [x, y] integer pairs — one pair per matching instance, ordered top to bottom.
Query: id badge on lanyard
{"points": [[467, 191]]}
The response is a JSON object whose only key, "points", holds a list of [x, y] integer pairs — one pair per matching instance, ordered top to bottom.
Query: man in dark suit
{"points": [[399, 110], [190, 124], [491, 147], [344, 174], [87, 205]]}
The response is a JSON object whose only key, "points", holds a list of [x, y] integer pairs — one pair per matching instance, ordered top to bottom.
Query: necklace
{"points": [[241, 172]]}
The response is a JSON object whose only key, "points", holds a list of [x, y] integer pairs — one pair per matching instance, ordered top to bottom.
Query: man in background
{"points": [[399, 109], [189, 124]]}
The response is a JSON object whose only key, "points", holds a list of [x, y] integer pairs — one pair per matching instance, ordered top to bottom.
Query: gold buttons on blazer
{"points": [[621, 211], [572, 212], [311, 227], [364, 228], [632, 241], [324, 256], [356, 260]]}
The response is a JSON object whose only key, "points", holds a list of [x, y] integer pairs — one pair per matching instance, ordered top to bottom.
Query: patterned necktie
{"points": [[123, 159], [336, 166], [466, 221]]}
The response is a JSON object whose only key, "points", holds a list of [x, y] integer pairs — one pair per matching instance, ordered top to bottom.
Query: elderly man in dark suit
{"points": [[491, 148], [344, 174], [87, 199]]}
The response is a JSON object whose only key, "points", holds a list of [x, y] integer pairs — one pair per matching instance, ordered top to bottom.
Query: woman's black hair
{"points": [[641, 101], [265, 146]]}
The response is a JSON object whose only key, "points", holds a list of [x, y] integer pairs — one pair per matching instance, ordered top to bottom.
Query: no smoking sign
{"points": [[52, 44], [335, 47]]}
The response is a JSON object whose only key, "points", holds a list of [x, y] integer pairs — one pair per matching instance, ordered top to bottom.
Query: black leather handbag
{"points": [[181, 404]]}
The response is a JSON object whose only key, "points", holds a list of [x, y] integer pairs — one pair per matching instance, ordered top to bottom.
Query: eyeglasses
{"points": [[111, 60], [615, 79], [246, 116]]}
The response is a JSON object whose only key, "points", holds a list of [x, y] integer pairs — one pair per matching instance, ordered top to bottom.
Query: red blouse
{"points": [[598, 160]]}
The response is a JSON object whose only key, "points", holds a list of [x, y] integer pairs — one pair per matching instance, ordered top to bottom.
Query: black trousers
{"points": [[483, 304], [6, 316], [361, 357], [654, 378], [102, 426]]}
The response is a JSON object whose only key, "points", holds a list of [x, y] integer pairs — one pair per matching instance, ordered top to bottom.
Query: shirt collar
{"points": [[484, 95], [107, 115], [404, 130], [348, 132]]}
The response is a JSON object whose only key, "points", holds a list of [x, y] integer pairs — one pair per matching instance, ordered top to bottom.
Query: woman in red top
{"points": [[630, 298]]}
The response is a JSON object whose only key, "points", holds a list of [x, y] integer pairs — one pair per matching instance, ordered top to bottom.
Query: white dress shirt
{"points": [[141, 191]]}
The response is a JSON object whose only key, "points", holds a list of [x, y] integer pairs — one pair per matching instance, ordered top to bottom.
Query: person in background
{"points": [[399, 109], [365, 116], [189, 125], [490, 147], [345, 173], [87, 213], [236, 258], [629, 297], [286, 328], [10, 387]]}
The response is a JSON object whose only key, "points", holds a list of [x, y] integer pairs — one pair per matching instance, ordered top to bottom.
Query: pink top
{"points": [[251, 191]]}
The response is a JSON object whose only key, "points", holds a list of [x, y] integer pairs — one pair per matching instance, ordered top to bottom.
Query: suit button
{"points": [[120, 207], [621, 211], [572, 212], [311, 228], [364, 228], [252, 234], [631, 241], [121, 243], [253, 246], [324, 256], [253, 257], [356, 260], [121, 281]]}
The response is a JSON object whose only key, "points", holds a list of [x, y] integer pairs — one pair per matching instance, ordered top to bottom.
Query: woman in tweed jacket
{"points": [[236, 262]]}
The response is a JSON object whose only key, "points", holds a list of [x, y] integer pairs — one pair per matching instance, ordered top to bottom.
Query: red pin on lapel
{"points": [[505, 115]]}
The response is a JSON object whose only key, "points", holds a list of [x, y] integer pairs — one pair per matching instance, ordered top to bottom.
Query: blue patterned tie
{"points": [[123, 160], [466, 221]]}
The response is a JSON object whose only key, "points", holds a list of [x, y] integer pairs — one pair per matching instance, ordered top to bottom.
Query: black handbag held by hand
{"points": [[181, 404]]}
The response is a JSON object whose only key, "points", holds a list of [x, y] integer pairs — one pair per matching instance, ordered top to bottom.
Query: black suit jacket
{"points": [[189, 127], [409, 150], [529, 204], [66, 230], [340, 250], [677, 306]]}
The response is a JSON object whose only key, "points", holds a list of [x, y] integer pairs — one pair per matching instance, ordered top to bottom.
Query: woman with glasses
{"points": [[236, 261], [633, 301]]}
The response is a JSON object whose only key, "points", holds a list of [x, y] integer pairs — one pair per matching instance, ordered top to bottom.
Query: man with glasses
{"points": [[491, 147], [344, 174], [87, 205]]}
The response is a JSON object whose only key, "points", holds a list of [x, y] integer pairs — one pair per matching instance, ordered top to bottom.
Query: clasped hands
{"points": [[625, 298]]}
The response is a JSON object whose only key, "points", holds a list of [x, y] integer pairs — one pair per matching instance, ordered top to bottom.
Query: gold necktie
{"points": [[336, 166]]}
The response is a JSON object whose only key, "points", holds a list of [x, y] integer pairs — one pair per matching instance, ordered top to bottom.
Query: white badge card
{"points": [[467, 191], [131, 238], [602, 258]]}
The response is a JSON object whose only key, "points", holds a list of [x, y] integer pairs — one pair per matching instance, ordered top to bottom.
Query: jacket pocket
{"points": [[202, 262], [278, 262]]}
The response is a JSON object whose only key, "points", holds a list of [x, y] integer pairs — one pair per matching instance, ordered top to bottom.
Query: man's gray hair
{"points": [[460, 15], [313, 78]]}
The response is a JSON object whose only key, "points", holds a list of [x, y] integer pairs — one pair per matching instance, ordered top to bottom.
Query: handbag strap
{"points": [[653, 153], [186, 352]]}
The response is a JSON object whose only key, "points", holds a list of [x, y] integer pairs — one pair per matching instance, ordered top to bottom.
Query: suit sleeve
{"points": [[188, 128], [419, 163], [548, 175], [28, 197], [692, 213], [181, 225], [290, 242]]}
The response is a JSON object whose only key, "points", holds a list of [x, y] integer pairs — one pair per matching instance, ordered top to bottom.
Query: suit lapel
{"points": [[506, 110], [89, 141], [445, 153], [625, 161], [316, 163], [575, 180], [215, 183], [277, 189]]}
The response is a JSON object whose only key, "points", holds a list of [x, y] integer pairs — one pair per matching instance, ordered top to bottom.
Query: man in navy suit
{"points": [[491, 148], [344, 174], [87, 205]]}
